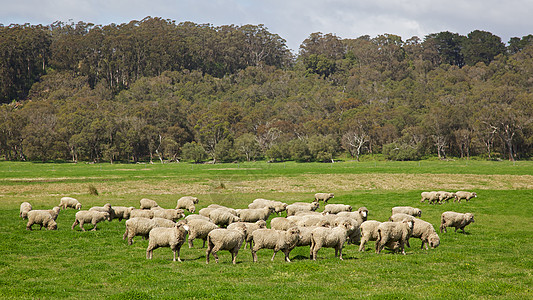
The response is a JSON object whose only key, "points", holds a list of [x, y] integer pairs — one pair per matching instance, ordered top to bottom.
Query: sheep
{"points": [[464, 195], [445, 196], [323, 197], [432, 197], [67, 202], [187, 202], [148, 203], [278, 206], [299, 206], [25, 207], [106, 208], [337, 208], [231, 210], [206, 211], [54, 212], [122, 212], [415, 212], [141, 213], [306, 213], [170, 214], [253, 215], [360, 215], [41, 217], [93, 217], [191, 217], [222, 217], [401, 217], [455, 219], [310, 221], [281, 223], [139, 226], [250, 228], [199, 229], [369, 232], [391, 232], [425, 232], [305, 234], [355, 236], [167, 237], [330, 238], [226, 239], [275, 239]]}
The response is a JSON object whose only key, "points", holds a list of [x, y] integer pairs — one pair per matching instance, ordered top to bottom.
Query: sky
{"points": [[294, 20]]}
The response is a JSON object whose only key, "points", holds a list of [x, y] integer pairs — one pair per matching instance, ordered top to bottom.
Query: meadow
{"points": [[494, 259]]}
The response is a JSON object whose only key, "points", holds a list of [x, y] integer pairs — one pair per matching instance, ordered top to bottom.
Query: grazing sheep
{"points": [[464, 195], [445, 196], [323, 197], [431, 197], [67, 202], [148, 203], [187, 203], [278, 206], [299, 206], [25, 207], [106, 208], [337, 208], [231, 210], [206, 211], [54, 212], [122, 212], [415, 212], [141, 213], [170, 214], [254, 215], [360, 215], [41, 217], [93, 217], [191, 217], [222, 217], [401, 217], [455, 219], [310, 221], [281, 223], [139, 226], [250, 228], [199, 229], [424, 231], [369, 232], [391, 232], [305, 234], [355, 236], [167, 237], [330, 238], [226, 239], [275, 239]]}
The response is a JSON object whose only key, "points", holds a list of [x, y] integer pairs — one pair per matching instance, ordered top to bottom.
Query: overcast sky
{"points": [[294, 20]]}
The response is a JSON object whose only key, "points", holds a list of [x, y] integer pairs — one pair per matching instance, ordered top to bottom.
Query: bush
{"points": [[193, 151], [402, 152]]}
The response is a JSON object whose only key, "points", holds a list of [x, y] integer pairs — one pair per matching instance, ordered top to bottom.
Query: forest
{"points": [[160, 90]]}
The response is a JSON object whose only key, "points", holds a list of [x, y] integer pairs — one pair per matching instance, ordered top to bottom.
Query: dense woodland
{"points": [[160, 90]]}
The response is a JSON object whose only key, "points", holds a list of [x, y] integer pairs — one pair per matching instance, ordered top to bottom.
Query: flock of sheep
{"points": [[224, 228]]}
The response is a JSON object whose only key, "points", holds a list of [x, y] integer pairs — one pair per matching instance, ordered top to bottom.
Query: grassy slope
{"points": [[492, 260]]}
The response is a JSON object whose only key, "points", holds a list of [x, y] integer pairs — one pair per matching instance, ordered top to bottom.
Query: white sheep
{"points": [[464, 195], [445, 196], [323, 197], [431, 197], [69, 202], [187, 202], [148, 203], [278, 206], [300, 206], [25, 207], [106, 208], [337, 208], [231, 210], [206, 211], [54, 212], [122, 212], [415, 212], [141, 213], [170, 214], [254, 215], [360, 215], [193, 216], [41, 217], [93, 217], [222, 217], [401, 217], [455, 219], [310, 221], [281, 223], [139, 226], [250, 228], [199, 229], [369, 232], [391, 232], [305, 233], [426, 233], [354, 236], [167, 237], [330, 238], [226, 239], [277, 240]]}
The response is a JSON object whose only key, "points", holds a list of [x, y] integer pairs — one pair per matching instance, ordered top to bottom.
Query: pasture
{"points": [[494, 259]]}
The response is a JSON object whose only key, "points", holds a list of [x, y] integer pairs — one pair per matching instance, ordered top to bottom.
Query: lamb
{"points": [[464, 195], [445, 196], [323, 197], [432, 197], [66, 202], [187, 202], [148, 203], [278, 206], [299, 206], [25, 207], [106, 208], [337, 208], [122, 212], [415, 212], [141, 213], [170, 214], [254, 215], [360, 215], [41, 217], [93, 217], [222, 217], [455, 219], [281, 223], [138, 226], [250, 228], [199, 229], [369, 232], [391, 232], [425, 232], [167, 237], [330, 238], [226, 239], [275, 239]]}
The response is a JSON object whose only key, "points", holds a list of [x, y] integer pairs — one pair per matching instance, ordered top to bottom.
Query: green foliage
{"points": [[193, 151], [401, 152]]}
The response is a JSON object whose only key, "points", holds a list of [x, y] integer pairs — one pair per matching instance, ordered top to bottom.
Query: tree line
{"points": [[155, 89]]}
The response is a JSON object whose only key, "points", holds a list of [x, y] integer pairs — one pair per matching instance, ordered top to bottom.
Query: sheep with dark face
{"points": [[455, 219]]}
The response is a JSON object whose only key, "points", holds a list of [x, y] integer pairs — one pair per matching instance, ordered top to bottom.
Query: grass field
{"points": [[494, 259]]}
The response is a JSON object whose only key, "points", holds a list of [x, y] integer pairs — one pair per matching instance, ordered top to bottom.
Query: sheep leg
{"points": [[28, 226], [81, 226], [94, 228], [125, 234], [191, 238], [287, 252], [340, 252], [148, 253], [254, 255], [272, 259]]}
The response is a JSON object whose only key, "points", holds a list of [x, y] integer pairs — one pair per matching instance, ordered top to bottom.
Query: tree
{"points": [[481, 46], [248, 146], [193, 151]]}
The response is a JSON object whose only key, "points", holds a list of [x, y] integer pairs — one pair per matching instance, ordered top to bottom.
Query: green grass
{"points": [[493, 260]]}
